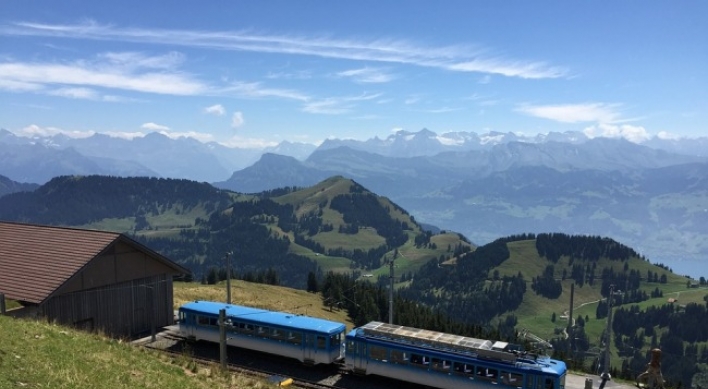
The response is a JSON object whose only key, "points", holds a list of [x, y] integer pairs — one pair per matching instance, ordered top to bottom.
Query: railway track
{"points": [[201, 355]]}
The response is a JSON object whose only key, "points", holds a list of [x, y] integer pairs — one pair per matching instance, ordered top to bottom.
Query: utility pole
{"points": [[228, 278], [390, 294], [569, 331], [222, 338], [606, 365]]}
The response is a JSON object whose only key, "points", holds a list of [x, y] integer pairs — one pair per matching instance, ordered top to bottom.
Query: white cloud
{"points": [[463, 58], [532, 70], [298, 75], [367, 75], [39, 76], [255, 90], [75, 93], [336, 105], [216, 109], [442, 110], [574, 113], [237, 119], [154, 127], [34, 130], [636, 134], [125, 135], [200, 136], [668, 136], [248, 143]]}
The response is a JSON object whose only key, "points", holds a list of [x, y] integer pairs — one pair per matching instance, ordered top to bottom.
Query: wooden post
{"points": [[2, 303], [222, 338]]}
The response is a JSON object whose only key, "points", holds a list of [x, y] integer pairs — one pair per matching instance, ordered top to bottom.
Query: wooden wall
{"points": [[123, 309]]}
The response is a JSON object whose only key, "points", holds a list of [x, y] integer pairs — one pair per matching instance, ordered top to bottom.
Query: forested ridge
{"points": [[75, 201]]}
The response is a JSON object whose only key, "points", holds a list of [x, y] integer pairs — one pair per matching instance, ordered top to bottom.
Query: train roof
{"points": [[266, 317], [423, 338], [444, 342]]}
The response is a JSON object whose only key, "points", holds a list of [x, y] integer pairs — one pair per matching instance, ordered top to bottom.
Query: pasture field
{"points": [[274, 298], [37, 354]]}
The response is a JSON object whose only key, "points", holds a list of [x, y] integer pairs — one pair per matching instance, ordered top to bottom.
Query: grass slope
{"points": [[270, 297], [36, 354]]}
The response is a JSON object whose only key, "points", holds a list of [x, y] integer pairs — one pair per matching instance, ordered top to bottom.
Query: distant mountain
{"points": [[153, 155], [162, 156], [38, 163], [271, 168], [8, 186], [647, 198]]}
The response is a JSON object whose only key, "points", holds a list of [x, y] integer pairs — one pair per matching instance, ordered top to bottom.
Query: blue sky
{"points": [[252, 74]]}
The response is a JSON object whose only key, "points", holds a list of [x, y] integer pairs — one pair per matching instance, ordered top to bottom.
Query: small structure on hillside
{"points": [[96, 280], [652, 377]]}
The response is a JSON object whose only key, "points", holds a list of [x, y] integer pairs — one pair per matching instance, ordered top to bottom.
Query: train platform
{"points": [[578, 381]]}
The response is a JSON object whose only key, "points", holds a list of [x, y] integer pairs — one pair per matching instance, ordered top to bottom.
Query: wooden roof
{"points": [[36, 260]]}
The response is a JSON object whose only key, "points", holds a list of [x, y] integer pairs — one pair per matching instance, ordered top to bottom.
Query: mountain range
{"points": [[652, 196]]}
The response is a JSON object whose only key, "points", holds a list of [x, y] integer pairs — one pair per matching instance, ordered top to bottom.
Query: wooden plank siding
{"points": [[121, 309]]}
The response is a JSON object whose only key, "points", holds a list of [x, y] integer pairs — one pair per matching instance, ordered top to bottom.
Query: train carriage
{"points": [[307, 339], [446, 361]]}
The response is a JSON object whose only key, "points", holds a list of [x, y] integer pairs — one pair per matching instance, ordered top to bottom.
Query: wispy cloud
{"points": [[462, 58], [102, 72], [297, 75], [367, 75], [257, 90], [336, 105], [216, 109], [441, 110], [574, 113], [237, 119], [154, 127]]}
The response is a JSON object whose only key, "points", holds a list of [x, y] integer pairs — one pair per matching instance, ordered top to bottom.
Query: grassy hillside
{"points": [[270, 297], [36, 354]]}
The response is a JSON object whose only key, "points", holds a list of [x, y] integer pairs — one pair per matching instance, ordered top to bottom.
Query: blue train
{"points": [[307, 339], [424, 357]]}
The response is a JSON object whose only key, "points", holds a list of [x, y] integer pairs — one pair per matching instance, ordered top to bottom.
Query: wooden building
{"points": [[95, 280]]}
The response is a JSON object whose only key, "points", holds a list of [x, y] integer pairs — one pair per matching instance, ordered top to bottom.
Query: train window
{"points": [[202, 320], [214, 322], [262, 331], [295, 338], [335, 340], [321, 342], [351, 347], [378, 353], [398, 356], [420, 360], [441, 364], [463, 368], [487, 373], [512, 379], [529, 381], [539, 383], [548, 383]]}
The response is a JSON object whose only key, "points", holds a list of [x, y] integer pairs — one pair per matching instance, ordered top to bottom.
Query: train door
{"points": [[187, 324], [310, 347], [362, 360]]}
